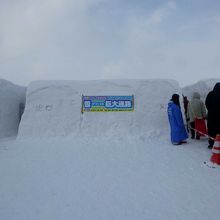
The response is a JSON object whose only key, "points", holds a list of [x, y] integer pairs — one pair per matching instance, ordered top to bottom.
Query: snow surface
{"points": [[11, 96], [116, 165], [86, 179]]}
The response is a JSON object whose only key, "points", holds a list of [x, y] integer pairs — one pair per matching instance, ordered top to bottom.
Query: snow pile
{"points": [[202, 87], [12, 97], [53, 108]]}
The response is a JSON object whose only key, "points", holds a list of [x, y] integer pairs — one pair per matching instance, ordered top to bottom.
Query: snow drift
{"points": [[12, 99], [53, 108]]}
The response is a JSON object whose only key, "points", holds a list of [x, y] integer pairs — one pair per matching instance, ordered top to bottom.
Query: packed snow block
{"points": [[203, 87], [12, 100], [53, 108]]}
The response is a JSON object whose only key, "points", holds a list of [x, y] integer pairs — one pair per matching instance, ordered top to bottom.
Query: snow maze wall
{"points": [[12, 101], [53, 108]]}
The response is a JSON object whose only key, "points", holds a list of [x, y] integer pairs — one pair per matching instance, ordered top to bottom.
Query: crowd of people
{"points": [[196, 113]]}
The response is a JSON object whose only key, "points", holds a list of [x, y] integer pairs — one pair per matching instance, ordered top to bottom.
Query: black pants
{"points": [[192, 127], [213, 130], [212, 133]]}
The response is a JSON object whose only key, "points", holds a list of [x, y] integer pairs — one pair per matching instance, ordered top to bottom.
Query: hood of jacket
{"points": [[216, 88], [196, 95], [172, 104]]}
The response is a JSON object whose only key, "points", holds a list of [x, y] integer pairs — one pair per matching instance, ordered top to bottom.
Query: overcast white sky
{"points": [[105, 39]]}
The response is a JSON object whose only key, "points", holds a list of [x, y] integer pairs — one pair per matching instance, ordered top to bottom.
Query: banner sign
{"points": [[107, 103]]}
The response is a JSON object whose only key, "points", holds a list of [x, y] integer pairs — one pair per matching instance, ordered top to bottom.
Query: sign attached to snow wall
{"points": [[107, 103]]}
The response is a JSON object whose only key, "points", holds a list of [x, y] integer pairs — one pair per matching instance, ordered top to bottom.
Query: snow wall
{"points": [[203, 87], [12, 99], [53, 108]]}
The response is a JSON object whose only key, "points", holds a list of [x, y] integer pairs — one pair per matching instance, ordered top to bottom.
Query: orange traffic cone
{"points": [[215, 158]]}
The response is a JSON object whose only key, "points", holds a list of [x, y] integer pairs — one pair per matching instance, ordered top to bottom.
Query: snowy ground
{"points": [[105, 179]]}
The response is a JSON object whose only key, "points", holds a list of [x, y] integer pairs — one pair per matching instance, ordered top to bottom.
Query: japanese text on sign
{"points": [[107, 103]]}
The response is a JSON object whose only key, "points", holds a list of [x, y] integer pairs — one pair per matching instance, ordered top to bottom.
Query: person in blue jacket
{"points": [[178, 130]]}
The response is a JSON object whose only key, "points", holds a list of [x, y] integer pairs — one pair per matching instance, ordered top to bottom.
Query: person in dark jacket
{"points": [[212, 103], [185, 105], [178, 130]]}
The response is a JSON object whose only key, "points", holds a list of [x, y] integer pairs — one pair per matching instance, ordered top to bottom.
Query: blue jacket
{"points": [[178, 130]]}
